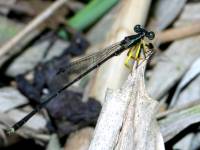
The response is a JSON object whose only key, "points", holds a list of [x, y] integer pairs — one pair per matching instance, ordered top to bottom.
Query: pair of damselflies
{"points": [[136, 45]]}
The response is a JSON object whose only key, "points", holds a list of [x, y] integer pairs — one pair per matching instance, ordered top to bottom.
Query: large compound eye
{"points": [[137, 28], [150, 35]]}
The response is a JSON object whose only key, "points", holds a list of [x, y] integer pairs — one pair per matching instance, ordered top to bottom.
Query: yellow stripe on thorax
{"points": [[131, 55]]}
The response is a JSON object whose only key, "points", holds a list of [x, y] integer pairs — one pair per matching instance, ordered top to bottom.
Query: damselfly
{"points": [[136, 45]]}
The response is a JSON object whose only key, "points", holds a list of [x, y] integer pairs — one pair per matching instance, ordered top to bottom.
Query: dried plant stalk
{"points": [[128, 118]]}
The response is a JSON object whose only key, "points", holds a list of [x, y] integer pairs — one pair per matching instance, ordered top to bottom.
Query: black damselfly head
{"points": [[140, 30], [132, 40]]}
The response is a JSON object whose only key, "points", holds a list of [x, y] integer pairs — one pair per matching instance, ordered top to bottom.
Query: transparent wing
{"points": [[82, 63], [77, 67]]}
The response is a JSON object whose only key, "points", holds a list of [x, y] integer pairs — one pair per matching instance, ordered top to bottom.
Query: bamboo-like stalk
{"points": [[113, 73]]}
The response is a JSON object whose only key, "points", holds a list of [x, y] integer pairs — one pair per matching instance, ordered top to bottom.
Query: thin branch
{"points": [[179, 33], [6, 51], [177, 109]]}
